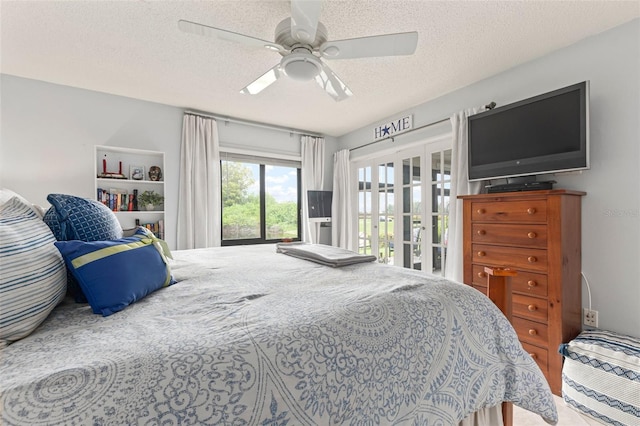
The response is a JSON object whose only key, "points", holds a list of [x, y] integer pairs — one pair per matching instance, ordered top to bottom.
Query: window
{"points": [[260, 199]]}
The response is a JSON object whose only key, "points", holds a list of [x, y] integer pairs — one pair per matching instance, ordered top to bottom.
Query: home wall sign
{"points": [[393, 128]]}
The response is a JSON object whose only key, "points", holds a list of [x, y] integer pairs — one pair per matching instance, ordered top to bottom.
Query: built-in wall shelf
{"points": [[122, 176]]}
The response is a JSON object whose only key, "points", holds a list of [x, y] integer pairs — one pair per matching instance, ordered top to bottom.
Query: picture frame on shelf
{"points": [[136, 172]]}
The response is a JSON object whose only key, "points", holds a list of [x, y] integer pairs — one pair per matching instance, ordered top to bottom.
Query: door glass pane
{"points": [[435, 166], [406, 171], [416, 171], [389, 179], [435, 198], [417, 199], [240, 200], [406, 200], [281, 202], [382, 203], [390, 203], [406, 228], [437, 260]]}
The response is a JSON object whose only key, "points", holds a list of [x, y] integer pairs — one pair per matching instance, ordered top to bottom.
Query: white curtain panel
{"points": [[312, 180], [460, 185], [199, 213], [341, 213]]}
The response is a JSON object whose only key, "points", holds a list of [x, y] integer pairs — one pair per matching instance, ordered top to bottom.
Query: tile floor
{"points": [[566, 417]]}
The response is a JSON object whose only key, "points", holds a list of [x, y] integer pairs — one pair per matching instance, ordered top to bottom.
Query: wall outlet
{"points": [[590, 317]]}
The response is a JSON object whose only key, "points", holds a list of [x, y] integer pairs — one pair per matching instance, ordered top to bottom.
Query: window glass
{"points": [[260, 201], [281, 202]]}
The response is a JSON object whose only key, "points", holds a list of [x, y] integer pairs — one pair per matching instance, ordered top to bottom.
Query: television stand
{"points": [[520, 186]]}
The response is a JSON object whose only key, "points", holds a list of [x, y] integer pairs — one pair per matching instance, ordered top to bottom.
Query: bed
{"points": [[249, 336]]}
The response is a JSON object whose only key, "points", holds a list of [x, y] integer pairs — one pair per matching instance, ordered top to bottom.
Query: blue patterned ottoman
{"points": [[601, 376]]}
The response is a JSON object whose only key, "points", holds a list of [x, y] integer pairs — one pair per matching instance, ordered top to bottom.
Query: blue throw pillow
{"points": [[81, 219], [116, 273]]}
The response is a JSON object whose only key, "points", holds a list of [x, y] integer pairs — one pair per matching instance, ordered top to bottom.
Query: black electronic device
{"points": [[544, 134], [520, 186], [319, 203]]}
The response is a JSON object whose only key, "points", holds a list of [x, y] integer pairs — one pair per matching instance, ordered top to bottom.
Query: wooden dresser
{"points": [[537, 233]]}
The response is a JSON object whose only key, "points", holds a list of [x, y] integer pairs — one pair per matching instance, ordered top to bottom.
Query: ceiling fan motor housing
{"points": [[284, 37], [301, 65]]}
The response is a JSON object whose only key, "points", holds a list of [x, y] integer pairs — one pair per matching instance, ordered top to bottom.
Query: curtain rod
{"points": [[490, 105], [254, 124]]}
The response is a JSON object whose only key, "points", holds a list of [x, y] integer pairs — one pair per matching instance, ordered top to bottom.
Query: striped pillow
{"points": [[33, 277]]}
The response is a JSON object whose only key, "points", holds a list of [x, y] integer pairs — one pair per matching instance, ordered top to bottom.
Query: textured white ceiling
{"points": [[134, 49]]}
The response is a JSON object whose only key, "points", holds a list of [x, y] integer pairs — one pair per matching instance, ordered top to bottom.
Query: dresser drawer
{"points": [[533, 211], [514, 235], [510, 257], [479, 278], [529, 283], [480, 288], [531, 308], [531, 331], [539, 355]]}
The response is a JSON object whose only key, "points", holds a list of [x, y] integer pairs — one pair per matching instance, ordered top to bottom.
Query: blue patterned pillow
{"points": [[77, 218], [116, 273], [33, 279]]}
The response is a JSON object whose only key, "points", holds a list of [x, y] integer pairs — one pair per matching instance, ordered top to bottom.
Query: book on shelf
{"points": [[118, 199], [156, 227]]}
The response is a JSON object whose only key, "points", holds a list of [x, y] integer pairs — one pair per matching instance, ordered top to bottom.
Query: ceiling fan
{"points": [[302, 42]]}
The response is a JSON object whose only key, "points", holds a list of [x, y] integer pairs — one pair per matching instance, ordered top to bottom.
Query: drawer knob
{"points": [[531, 210], [481, 211], [481, 232], [532, 234], [481, 253], [532, 259], [481, 274], [532, 283], [532, 308], [532, 332], [534, 356]]}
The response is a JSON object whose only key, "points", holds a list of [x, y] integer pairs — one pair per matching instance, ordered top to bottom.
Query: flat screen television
{"points": [[544, 134], [319, 203]]}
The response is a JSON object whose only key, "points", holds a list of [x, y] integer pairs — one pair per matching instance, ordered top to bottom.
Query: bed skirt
{"points": [[491, 416]]}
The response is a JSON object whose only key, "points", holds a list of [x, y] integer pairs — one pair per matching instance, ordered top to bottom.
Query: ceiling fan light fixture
{"points": [[301, 66]]}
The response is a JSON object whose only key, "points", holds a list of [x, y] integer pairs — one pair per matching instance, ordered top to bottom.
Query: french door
{"points": [[402, 206]]}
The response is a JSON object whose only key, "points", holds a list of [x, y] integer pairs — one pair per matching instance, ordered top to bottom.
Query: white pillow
{"points": [[7, 194], [33, 276]]}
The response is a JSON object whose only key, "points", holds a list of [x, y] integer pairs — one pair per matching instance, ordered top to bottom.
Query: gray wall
{"points": [[48, 133], [611, 208]]}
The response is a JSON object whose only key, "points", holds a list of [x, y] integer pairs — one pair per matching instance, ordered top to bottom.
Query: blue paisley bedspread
{"points": [[250, 337]]}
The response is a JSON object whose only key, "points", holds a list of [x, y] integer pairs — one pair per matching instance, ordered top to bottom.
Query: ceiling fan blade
{"points": [[304, 19], [207, 31], [365, 47], [263, 81], [332, 84]]}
